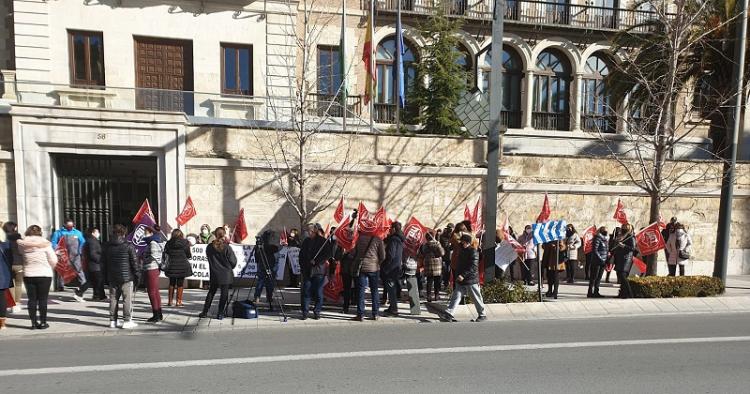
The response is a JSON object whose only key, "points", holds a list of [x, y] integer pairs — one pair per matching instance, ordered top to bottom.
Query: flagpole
{"points": [[397, 69], [344, 70], [371, 91]]}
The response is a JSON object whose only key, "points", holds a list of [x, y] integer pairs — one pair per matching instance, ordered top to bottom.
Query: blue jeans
{"points": [[364, 279], [268, 284], [312, 287]]}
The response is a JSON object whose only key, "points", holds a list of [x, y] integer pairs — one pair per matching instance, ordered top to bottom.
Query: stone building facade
{"points": [[107, 102]]}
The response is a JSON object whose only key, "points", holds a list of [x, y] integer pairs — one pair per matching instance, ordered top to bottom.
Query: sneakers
{"points": [[78, 297], [16, 309], [202, 315], [480, 319], [113, 324], [129, 325]]}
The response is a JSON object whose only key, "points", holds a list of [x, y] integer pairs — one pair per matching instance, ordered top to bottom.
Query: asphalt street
{"points": [[666, 354]]}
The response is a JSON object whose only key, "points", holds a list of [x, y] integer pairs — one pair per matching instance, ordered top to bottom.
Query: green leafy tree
{"points": [[444, 78]]}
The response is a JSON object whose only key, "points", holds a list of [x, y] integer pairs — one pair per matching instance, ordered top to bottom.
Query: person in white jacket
{"points": [[573, 242], [679, 246], [39, 259]]}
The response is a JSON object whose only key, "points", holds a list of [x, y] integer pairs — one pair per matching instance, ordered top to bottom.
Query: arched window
{"points": [[464, 60], [512, 68], [551, 91], [386, 93], [595, 101]]}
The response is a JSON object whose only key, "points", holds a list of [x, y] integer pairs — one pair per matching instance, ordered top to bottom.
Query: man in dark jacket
{"points": [[92, 251], [623, 251], [313, 257], [598, 261], [119, 263], [390, 270], [467, 281]]}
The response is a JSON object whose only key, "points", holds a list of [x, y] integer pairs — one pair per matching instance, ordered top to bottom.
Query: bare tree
{"points": [[660, 61], [308, 144]]}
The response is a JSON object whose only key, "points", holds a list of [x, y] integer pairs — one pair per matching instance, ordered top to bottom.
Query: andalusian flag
{"points": [[368, 54]]}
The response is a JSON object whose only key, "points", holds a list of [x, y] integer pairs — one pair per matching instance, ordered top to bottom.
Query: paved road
{"points": [[683, 354]]}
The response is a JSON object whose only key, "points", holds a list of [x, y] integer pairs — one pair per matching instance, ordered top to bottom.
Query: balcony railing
{"points": [[527, 12], [330, 105], [384, 113], [511, 119], [550, 121], [599, 123]]}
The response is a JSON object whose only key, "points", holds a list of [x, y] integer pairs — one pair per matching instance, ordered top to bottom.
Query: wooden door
{"points": [[164, 74]]}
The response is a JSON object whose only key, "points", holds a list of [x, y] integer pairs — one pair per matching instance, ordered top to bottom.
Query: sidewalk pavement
{"points": [[68, 318]]}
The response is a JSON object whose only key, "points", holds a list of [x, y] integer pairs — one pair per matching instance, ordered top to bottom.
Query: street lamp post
{"points": [[493, 142], [727, 182]]}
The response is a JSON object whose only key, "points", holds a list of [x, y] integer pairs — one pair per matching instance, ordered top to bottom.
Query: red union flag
{"points": [[145, 210], [188, 212], [338, 215], [544, 215], [620, 215], [370, 223], [240, 228], [414, 234], [346, 236], [588, 239], [649, 240], [639, 264], [63, 267]]}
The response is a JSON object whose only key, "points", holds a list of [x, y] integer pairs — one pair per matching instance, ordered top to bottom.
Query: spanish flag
{"points": [[368, 55]]}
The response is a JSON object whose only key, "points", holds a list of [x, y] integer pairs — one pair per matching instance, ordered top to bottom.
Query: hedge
{"points": [[675, 286], [501, 292]]}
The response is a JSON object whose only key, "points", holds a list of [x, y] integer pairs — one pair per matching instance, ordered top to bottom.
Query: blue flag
{"points": [[400, 50]]}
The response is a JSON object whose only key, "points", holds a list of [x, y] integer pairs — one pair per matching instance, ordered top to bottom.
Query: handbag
{"points": [[684, 254], [164, 263], [357, 264], [561, 266], [244, 310]]}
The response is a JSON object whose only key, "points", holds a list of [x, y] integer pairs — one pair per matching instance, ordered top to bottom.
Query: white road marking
{"points": [[366, 353]]}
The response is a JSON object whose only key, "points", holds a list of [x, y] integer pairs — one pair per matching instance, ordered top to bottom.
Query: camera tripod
{"points": [[269, 274]]}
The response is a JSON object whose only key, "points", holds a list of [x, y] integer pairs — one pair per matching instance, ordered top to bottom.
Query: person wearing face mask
{"points": [[206, 237], [74, 242], [572, 243], [92, 251], [622, 251], [152, 256], [530, 258], [599, 260]]}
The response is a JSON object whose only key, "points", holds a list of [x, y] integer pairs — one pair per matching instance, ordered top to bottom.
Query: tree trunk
{"points": [[651, 260]]}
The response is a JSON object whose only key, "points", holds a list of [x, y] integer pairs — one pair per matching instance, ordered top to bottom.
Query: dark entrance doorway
{"points": [[100, 191]]}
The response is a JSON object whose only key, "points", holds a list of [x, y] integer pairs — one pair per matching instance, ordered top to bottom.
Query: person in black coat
{"points": [[623, 250], [92, 251], [178, 253], [599, 256], [313, 257], [265, 258], [221, 263], [120, 265], [390, 270], [6, 278], [467, 280]]}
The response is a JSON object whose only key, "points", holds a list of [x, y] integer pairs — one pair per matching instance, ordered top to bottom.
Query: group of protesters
{"points": [[447, 257]]}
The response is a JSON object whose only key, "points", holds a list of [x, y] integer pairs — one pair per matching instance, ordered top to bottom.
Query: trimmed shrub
{"points": [[675, 286], [501, 292]]}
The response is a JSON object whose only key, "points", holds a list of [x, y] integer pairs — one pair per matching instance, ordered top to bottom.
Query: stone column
{"points": [[9, 85], [528, 100], [576, 100]]}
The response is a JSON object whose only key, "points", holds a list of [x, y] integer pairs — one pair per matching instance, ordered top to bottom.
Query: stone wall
{"points": [[7, 46], [7, 172], [433, 178]]}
